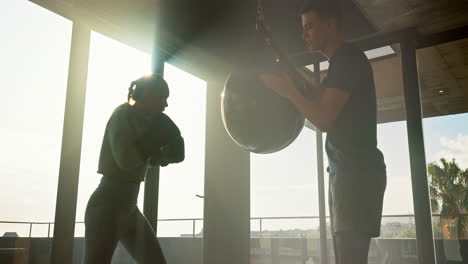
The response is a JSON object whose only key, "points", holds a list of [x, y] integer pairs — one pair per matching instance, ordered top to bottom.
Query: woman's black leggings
{"points": [[111, 216]]}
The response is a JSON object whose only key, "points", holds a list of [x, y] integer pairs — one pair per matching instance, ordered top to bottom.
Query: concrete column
{"points": [[227, 188], [421, 201], [65, 210]]}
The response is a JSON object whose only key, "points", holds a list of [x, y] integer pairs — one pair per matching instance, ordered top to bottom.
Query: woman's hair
{"points": [[152, 82]]}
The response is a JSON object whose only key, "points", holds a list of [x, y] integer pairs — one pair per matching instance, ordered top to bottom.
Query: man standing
{"points": [[346, 110]]}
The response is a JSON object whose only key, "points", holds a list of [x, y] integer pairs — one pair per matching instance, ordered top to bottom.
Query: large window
{"points": [[34, 48], [112, 67], [443, 82], [446, 137], [181, 183], [285, 183], [284, 197], [398, 210], [397, 235]]}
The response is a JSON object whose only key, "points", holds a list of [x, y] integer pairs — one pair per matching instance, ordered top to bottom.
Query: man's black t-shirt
{"points": [[352, 140]]}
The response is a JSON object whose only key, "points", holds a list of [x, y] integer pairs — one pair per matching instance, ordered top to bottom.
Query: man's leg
{"points": [[356, 213], [140, 240], [352, 247]]}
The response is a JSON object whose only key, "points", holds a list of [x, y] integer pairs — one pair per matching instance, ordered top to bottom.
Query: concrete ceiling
{"points": [[427, 16], [224, 30], [200, 35], [442, 67]]}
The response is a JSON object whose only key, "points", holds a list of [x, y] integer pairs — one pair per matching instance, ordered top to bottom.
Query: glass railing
{"points": [[393, 226], [273, 239]]}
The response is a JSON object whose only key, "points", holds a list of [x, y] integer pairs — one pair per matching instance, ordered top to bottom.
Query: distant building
{"points": [[10, 234]]}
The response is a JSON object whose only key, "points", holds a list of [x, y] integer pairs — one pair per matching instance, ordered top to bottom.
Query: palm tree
{"points": [[449, 196]]}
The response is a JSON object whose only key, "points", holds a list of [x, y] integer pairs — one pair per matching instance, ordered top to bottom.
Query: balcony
{"points": [[294, 246]]}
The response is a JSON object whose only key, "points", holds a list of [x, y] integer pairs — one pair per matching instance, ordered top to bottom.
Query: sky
{"points": [[35, 50]]}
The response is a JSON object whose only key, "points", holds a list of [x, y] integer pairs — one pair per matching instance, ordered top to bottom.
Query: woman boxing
{"points": [[112, 214]]}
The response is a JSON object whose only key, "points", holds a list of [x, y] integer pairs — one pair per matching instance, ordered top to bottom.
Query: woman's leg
{"points": [[100, 234], [140, 240]]}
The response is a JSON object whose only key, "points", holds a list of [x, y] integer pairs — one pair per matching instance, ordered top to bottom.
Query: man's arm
{"points": [[311, 83], [322, 113]]}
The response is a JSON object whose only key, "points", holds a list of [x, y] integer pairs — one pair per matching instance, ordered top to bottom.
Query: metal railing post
{"points": [[321, 182], [261, 231], [193, 232]]}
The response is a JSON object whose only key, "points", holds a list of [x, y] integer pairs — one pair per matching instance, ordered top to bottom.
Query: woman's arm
{"points": [[123, 138]]}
